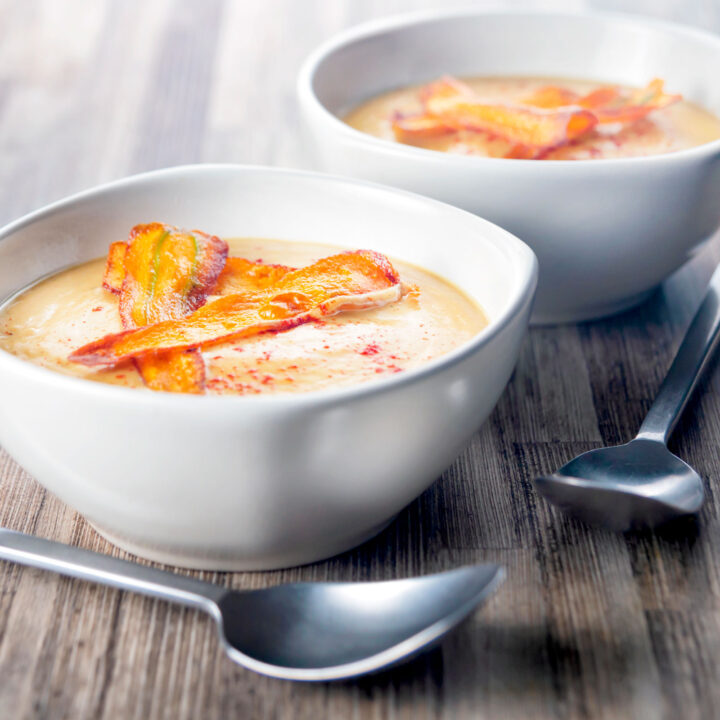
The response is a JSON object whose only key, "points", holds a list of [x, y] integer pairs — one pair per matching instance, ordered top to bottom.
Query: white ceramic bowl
{"points": [[606, 232], [259, 482]]}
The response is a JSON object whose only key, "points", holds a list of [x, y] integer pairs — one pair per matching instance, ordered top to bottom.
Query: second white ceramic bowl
{"points": [[606, 232], [259, 482]]}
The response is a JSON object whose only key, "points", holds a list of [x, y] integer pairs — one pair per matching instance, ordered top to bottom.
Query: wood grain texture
{"points": [[588, 624]]}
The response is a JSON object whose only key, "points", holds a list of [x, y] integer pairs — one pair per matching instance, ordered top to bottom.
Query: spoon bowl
{"points": [[626, 486], [326, 631]]}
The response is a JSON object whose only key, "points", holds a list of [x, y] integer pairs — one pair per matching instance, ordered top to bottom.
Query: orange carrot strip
{"points": [[551, 96], [554, 96], [598, 98], [640, 103], [523, 126], [417, 127], [409, 128], [521, 152], [115, 267], [168, 273], [238, 275], [242, 276], [348, 281], [173, 371]]}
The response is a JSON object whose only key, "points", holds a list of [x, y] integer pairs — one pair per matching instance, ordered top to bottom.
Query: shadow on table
{"points": [[681, 533], [501, 662]]}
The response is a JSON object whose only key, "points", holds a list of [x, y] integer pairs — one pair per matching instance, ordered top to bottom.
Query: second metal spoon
{"points": [[642, 483]]}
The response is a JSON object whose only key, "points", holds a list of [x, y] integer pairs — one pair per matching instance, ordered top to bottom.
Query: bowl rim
{"points": [[312, 104], [520, 255]]}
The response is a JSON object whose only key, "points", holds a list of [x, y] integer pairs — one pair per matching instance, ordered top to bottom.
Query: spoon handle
{"points": [[691, 359], [86, 565]]}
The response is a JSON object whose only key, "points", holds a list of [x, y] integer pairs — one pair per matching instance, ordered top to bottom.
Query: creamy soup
{"points": [[668, 129], [45, 323]]}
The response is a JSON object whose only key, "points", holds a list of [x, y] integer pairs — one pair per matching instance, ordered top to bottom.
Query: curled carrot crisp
{"points": [[551, 96], [554, 96], [598, 98], [609, 104], [636, 105], [550, 117], [527, 126], [408, 128], [115, 267], [168, 272], [163, 274], [238, 275], [241, 275], [348, 281], [180, 371]]}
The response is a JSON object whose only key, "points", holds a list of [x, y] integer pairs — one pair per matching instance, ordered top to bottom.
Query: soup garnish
{"points": [[536, 119], [164, 275], [356, 280], [281, 316]]}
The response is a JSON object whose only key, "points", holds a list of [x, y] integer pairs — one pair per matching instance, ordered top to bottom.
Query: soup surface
{"points": [[667, 129], [45, 323]]}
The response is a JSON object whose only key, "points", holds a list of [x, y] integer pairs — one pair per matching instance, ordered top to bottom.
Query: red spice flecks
{"points": [[97, 309], [238, 349], [370, 349], [267, 355], [217, 357], [389, 368], [120, 377], [267, 380], [221, 384]]}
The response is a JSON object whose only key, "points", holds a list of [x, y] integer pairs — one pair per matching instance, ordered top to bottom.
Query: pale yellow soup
{"points": [[676, 127], [46, 322]]}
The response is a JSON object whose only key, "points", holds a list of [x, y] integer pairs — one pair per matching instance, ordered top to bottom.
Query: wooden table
{"points": [[588, 623]]}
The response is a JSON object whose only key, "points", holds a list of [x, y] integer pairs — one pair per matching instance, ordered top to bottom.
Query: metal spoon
{"points": [[642, 483], [303, 631]]}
